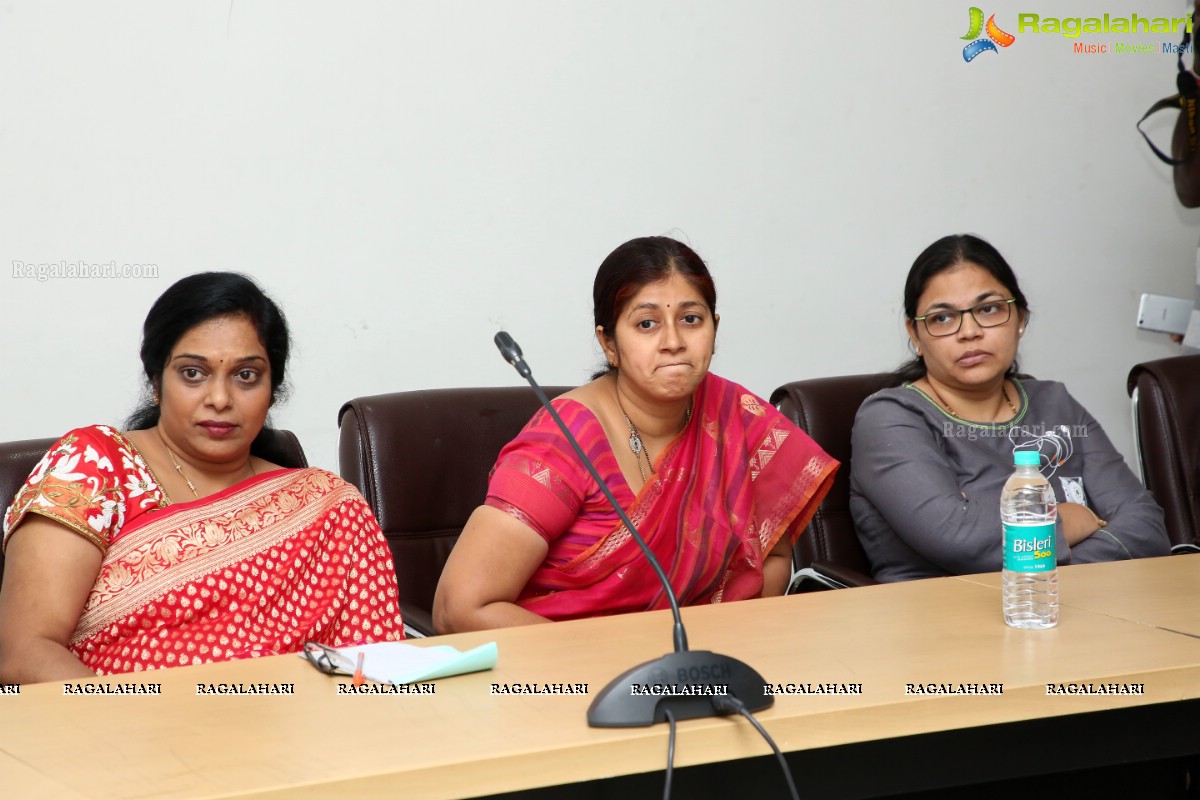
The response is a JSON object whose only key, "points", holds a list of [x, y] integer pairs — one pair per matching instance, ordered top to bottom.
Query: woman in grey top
{"points": [[932, 454]]}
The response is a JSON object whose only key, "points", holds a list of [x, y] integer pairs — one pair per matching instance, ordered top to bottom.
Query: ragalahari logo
{"points": [[995, 36]]}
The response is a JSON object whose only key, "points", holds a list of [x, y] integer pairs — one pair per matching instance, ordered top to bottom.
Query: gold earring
{"points": [[157, 399]]}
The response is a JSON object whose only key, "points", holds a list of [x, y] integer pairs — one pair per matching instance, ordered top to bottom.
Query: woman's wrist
{"points": [[1079, 522]]}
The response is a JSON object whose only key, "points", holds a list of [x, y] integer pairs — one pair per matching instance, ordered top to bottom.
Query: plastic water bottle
{"points": [[1030, 579]]}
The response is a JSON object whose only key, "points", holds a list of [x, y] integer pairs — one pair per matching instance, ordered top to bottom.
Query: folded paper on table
{"points": [[396, 662]]}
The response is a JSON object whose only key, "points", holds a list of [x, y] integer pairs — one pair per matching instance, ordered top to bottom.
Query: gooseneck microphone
{"points": [[512, 354], [688, 683]]}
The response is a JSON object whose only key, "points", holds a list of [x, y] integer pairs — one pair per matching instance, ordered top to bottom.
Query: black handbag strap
{"points": [[1185, 101]]}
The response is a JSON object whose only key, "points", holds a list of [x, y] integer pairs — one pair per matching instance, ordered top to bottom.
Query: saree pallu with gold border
{"points": [[738, 478], [257, 569]]}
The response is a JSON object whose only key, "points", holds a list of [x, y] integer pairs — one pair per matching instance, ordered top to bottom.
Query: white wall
{"points": [[406, 178]]}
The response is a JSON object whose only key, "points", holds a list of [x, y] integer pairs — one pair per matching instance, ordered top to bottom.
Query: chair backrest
{"points": [[824, 408], [1167, 429], [284, 450], [422, 459], [17, 460]]}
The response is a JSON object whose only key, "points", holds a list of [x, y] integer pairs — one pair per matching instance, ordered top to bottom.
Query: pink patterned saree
{"points": [[738, 478]]}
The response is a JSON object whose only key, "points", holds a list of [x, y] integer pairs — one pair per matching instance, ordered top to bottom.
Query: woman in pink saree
{"points": [[715, 479], [182, 541]]}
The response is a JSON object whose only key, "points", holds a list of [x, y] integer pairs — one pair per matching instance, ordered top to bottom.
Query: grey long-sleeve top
{"points": [[925, 486]]}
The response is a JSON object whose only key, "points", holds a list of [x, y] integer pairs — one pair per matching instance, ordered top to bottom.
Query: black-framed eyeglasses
{"points": [[988, 314], [327, 659]]}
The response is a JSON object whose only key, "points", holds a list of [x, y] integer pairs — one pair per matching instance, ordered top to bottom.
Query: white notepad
{"points": [[397, 662]]}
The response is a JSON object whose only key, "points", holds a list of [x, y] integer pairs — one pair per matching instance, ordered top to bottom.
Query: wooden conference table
{"points": [[1124, 623]]}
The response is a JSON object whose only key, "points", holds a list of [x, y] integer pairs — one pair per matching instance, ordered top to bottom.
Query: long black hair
{"points": [[945, 253], [194, 300]]}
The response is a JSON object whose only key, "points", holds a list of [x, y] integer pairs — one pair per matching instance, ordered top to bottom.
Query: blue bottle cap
{"points": [[1027, 458]]}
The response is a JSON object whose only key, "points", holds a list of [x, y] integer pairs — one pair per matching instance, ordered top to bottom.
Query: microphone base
{"points": [[686, 683]]}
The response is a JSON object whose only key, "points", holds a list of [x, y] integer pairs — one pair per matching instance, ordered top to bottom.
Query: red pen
{"points": [[358, 675]]}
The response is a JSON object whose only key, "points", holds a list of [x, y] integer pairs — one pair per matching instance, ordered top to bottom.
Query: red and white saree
{"points": [[279, 559]]}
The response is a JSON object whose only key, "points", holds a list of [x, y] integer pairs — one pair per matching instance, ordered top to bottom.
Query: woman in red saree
{"points": [[716, 480], [181, 541]]}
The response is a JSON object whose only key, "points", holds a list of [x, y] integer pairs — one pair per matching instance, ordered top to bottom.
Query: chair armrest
{"points": [[823, 575], [843, 575], [809, 580], [418, 623]]}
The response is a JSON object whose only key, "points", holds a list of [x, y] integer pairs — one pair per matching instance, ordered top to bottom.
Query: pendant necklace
{"points": [[638, 446], [178, 468], [192, 486]]}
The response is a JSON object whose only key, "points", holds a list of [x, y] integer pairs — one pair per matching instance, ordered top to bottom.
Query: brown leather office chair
{"points": [[1166, 409], [285, 450], [17, 460], [422, 460], [828, 554]]}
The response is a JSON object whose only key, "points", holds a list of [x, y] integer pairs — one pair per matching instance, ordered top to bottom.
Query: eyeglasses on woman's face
{"points": [[947, 321]]}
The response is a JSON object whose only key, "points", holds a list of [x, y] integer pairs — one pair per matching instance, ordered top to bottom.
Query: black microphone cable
{"points": [[728, 704], [670, 753]]}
